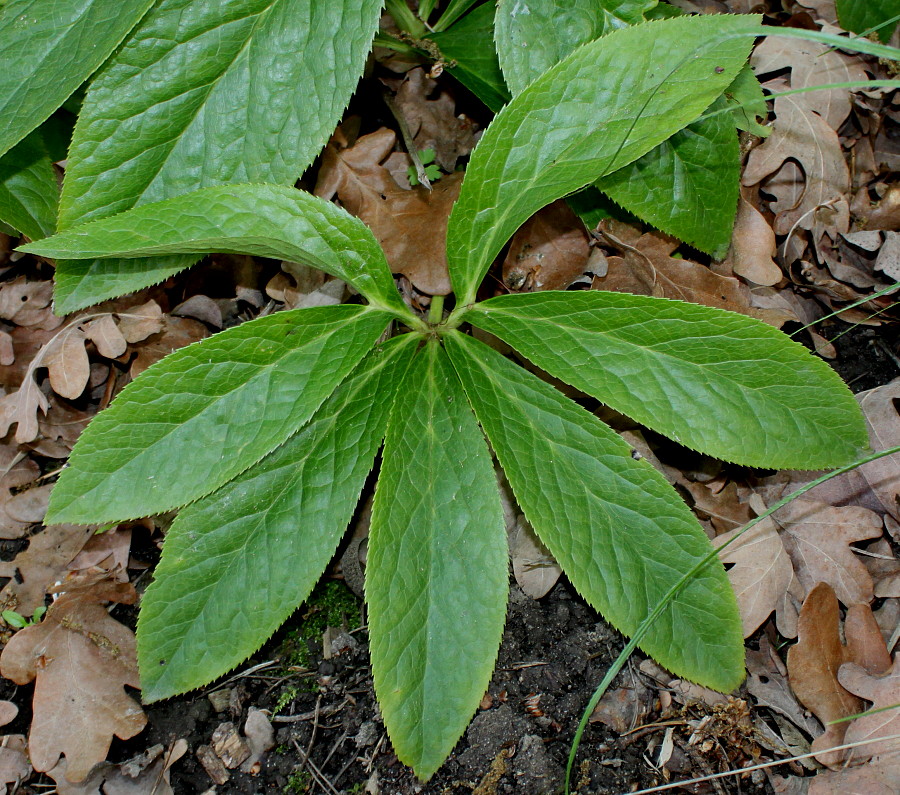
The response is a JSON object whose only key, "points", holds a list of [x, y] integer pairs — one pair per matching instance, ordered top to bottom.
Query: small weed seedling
{"points": [[264, 434], [18, 621]]}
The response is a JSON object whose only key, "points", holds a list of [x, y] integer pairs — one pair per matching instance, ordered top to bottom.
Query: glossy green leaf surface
{"points": [[862, 15], [533, 35], [470, 43], [50, 47], [209, 93], [205, 94], [604, 106], [688, 185], [29, 191], [264, 220], [718, 382], [208, 411], [617, 528], [238, 562], [436, 577]]}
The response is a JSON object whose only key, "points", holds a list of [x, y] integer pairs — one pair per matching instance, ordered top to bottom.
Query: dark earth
{"points": [[554, 653]]}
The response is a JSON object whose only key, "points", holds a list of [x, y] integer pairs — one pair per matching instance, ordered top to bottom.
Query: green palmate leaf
{"points": [[861, 16], [533, 35], [470, 44], [48, 49], [210, 93], [205, 94], [747, 101], [604, 106], [688, 185], [29, 191], [265, 220], [721, 383], [209, 411], [620, 532], [238, 562], [436, 579]]}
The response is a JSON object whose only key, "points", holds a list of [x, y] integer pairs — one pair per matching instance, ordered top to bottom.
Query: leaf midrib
{"points": [[50, 46], [209, 88], [606, 335], [175, 426], [595, 500]]}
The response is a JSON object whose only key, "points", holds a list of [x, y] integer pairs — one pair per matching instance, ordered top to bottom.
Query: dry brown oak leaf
{"points": [[812, 64], [432, 119], [801, 135], [884, 214], [410, 225], [753, 246], [549, 252], [646, 267], [28, 303], [174, 333], [68, 365], [880, 407], [875, 485], [17, 510], [818, 536], [45, 562], [760, 573], [81, 660], [813, 663], [767, 682], [884, 693], [14, 764], [879, 776]]}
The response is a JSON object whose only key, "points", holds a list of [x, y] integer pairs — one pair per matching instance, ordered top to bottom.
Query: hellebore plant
{"points": [[264, 434]]}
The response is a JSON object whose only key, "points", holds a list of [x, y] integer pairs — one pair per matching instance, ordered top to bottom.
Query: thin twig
{"points": [[251, 670], [325, 713], [312, 736], [337, 744], [316, 773]]}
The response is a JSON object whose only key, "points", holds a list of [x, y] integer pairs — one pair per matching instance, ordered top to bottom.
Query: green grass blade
{"points": [[867, 16], [688, 186], [667, 600]]}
